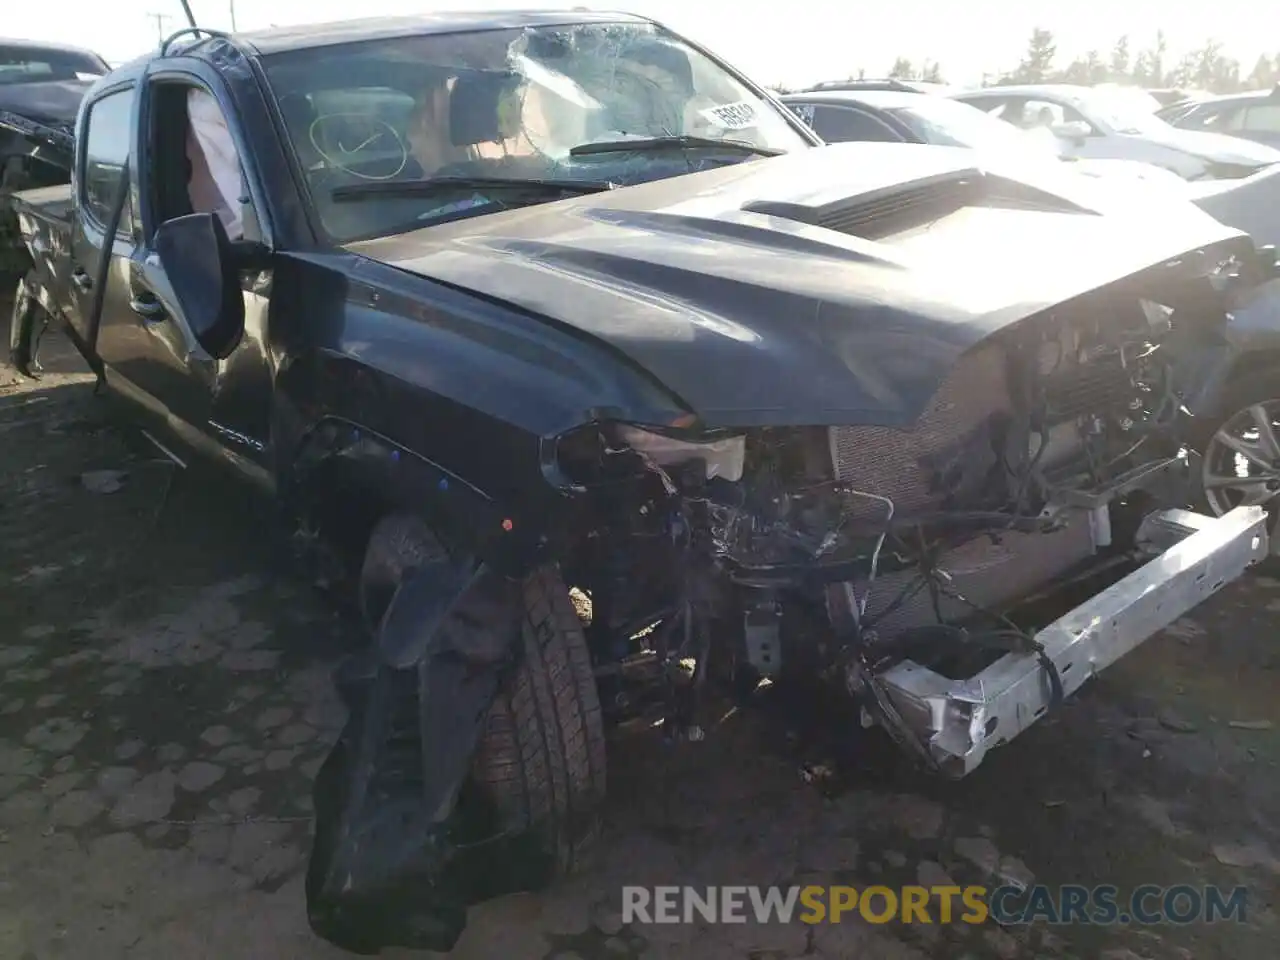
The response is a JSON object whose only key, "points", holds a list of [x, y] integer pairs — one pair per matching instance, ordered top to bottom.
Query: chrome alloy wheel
{"points": [[1241, 461]]}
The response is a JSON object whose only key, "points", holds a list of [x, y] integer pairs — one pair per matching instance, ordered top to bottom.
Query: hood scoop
{"points": [[892, 210]]}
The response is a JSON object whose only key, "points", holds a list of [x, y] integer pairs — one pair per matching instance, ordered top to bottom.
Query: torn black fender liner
{"points": [[24, 337], [396, 860]]}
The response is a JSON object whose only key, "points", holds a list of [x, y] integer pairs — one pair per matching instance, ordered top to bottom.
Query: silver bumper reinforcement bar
{"points": [[960, 720]]}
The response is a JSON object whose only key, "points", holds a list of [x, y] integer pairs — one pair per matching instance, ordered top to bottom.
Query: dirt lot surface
{"points": [[165, 701]]}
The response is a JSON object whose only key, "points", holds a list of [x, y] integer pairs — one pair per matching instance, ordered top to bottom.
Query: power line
{"points": [[160, 19]]}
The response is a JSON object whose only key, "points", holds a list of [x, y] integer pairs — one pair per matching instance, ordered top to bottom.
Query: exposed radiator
{"points": [[1100, 384], [904, 466], [993, 575]]}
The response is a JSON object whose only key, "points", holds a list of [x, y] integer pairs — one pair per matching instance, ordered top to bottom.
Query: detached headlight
{"points": [[724, 457]]}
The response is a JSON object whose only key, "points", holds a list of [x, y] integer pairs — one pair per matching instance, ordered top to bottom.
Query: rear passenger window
{"points": [[804, 111], [1224, 118], [1264, 118], [841, 124], [108, 135]]}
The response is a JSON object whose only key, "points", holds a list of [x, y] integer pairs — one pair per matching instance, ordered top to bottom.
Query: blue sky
{"points": [[797, 41]]}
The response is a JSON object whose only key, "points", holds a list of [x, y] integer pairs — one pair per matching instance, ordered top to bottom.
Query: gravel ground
{"points": [[165, 701]]}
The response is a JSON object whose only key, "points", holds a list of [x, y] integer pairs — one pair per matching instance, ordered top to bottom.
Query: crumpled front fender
{"points": [[446, 605], [387, 866]]}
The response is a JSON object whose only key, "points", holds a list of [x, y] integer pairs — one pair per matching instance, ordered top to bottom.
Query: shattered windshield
{"points": [[522, 104]]}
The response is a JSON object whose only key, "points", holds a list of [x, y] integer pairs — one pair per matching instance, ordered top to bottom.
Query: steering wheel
{"points": [[364, 135]]}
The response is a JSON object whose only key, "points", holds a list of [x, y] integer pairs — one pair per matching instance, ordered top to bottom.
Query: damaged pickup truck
{"points": [[41, 86], [570, 350]]}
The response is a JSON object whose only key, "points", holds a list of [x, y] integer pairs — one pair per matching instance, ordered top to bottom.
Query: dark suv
{"points": [[1254, 115]]}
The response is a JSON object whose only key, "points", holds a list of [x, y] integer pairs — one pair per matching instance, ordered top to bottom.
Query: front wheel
{"points": [[1239, 446], [540, 763]]}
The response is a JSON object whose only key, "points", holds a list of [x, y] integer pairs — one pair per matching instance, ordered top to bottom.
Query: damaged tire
{"points": [[540, 763], [455, 779]]}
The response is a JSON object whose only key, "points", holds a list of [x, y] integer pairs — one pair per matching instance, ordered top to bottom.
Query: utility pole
{"points": [[232, 4], [160, 19]]}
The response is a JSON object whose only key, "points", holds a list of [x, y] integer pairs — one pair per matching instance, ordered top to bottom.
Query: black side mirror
{"points": [[198, 263]]}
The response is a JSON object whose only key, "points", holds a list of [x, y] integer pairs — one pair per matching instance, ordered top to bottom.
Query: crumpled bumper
{"points": [[960, 720]]}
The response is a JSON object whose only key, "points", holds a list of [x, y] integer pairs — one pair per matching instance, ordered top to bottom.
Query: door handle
{"points": [[83, 282], [147, 307]]}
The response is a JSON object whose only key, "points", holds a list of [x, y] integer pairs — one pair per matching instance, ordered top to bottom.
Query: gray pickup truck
{"points": [[515, 308]]}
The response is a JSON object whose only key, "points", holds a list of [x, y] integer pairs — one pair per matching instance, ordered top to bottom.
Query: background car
{"points": [[902, 86], [1174, 96], [1135, 97], [888, 114], [1254, 115], [1099, 123]]}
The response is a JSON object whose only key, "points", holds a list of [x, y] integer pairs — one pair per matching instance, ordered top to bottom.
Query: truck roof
{"points": [[305, 36], [255, 43]]}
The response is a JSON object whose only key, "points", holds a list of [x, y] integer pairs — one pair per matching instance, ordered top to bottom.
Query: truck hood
{"points": [[53, 102], [1134, 170], [1251, 204], [834, 285]]}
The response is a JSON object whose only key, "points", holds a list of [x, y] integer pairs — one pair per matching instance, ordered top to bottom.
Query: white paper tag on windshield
{"points": [[731, 116]]}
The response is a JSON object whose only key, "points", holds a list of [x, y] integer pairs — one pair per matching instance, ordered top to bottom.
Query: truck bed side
{"points": [[33, 154], [44, 218]]}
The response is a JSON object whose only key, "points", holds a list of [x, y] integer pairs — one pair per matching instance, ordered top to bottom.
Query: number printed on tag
{"points": [[732, 116]]}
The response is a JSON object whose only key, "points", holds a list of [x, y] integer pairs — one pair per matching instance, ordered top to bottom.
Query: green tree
{"points": [[1205, 61], [1037, 62], [1120, 68], [1148, 68], [902, 69], [1097, 69], [1142, 70], [1211, 70], [1077, 71], [1086, 71], [932, 72], [1184, 73], [1263, 75], [1226, 76]]}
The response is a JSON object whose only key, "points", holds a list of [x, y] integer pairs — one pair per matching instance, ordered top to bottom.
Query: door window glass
{"points": [[1264, 118], [841, 124], [108, 134]]}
